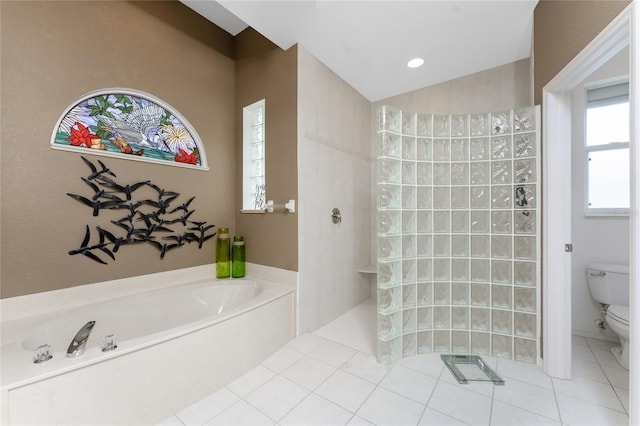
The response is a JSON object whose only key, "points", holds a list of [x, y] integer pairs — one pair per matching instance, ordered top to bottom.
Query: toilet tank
{"points": [[609, 283]]}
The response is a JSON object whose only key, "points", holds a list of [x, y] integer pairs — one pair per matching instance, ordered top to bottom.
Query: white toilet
{"points": [[609, 285]]}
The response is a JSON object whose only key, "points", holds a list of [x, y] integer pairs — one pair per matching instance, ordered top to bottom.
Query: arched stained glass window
{"points": [[130, 124]]}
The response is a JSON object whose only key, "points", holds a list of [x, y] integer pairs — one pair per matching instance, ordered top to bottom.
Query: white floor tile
{"points": [[354, 328], [579, 340], [306, 343], [600, 344], [582, 352], [333, 353], [605, 357], [282, 359], [429, 364], [366, 367], [589, 370], [309, 372], [528, 373], [617, 376], [251, 380], [347, 380], [409, 383], [346, 390], [591, 392], [623, 395], [277, 397], [528, 397], [468, 406], [208, 407], [384, 407], [315, 410], [575, 412], [241, 413], [507, 415], [432, 417], [170, 421], [359, 421]]}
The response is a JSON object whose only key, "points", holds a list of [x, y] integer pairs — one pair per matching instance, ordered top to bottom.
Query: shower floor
{"points": [[330, 377]]}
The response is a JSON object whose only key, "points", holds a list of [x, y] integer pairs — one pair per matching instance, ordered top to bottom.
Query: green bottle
{"points": [[223, 254], [238, 257]]}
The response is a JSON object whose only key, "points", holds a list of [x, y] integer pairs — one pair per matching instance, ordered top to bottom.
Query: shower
{"points": [[457, 234]]}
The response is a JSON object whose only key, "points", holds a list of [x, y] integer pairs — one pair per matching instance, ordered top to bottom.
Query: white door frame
{"points": [[556, 211]]}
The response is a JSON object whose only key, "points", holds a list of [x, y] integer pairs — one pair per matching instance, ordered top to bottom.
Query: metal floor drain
{"points": [[470, 368]]}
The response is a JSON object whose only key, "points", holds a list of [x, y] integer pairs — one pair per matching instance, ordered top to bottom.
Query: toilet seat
{"points": [[619, 314]]}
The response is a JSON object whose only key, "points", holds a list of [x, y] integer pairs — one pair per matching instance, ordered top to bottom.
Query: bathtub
{"points": [[177, 342]]}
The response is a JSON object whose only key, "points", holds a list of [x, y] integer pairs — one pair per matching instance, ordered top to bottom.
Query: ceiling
{"points": [[368, 43]]}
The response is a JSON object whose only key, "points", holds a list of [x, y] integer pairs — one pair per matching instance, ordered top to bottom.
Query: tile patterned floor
{"points": [[317, 380]]}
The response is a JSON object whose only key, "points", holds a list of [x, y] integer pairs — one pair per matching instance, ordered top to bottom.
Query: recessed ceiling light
{"points": [[415, 63]]}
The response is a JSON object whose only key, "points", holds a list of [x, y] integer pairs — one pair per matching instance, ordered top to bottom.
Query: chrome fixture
{"points": [[289, 206], [336, 217], [109, 343], [77, 345], [42, 354]]}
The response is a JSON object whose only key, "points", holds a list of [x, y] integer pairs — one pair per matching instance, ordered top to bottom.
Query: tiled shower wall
{"points": [[334, 166], [457, 234]]}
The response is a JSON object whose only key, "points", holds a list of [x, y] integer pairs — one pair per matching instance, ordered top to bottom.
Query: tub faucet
{"points": [[77, 345]]}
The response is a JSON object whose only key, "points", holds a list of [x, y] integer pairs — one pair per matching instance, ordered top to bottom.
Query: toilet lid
{"points": [[619, 313]]}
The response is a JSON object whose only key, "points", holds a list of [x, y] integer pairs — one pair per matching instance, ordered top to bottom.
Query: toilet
{"points": [[609, 286]]}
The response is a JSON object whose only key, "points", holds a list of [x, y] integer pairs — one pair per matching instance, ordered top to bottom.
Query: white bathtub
{"points": [[176, 344]]}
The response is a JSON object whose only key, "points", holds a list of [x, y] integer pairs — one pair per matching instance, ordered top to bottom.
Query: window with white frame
{"points": [[253, 166], [607, 180]]}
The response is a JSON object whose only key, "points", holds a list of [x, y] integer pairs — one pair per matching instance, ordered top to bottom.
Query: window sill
{"points": [[252, 211], [605, 215]]}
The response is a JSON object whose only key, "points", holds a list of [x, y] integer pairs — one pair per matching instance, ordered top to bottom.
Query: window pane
{"points": [[257, 116], [608, 123], [257, 134], [257, 151], [253, 156], [609, 179]]}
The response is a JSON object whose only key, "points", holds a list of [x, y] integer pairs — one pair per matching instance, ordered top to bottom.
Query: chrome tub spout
{"points": [[77, 345]]}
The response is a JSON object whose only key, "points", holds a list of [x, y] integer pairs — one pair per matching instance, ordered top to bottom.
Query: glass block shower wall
{"points": [[457, 234]]}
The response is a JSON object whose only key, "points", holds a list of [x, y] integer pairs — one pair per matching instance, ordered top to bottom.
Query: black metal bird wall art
{"points": [[143, 221]]}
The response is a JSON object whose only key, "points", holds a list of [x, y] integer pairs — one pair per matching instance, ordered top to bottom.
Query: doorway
{"points": [[556, 157]]}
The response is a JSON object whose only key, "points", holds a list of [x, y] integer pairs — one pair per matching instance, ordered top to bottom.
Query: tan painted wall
{"points": [[562, 29], [54, 52], [265, 71]]}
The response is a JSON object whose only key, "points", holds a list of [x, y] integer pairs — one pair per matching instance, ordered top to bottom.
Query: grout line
{"points": [[609, 381], [493, 391], [431, 395], [555, 396], [624, 409], [531, 412]]}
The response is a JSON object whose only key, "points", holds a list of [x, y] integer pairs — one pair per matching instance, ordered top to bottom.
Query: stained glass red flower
{"points": [[81, 135], [184, 157]]}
